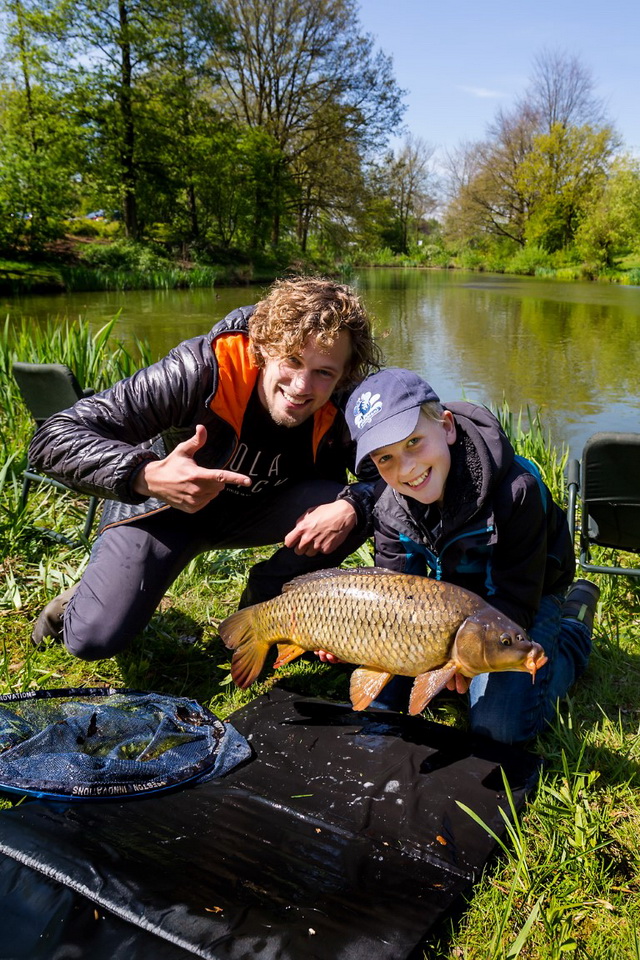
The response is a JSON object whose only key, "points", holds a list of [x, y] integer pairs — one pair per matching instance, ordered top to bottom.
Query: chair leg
{"points": [[26, 483], [91, 512], [51, 534]]}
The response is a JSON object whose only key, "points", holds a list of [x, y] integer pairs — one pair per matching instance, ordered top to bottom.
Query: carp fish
{"points": [[385, 622]]}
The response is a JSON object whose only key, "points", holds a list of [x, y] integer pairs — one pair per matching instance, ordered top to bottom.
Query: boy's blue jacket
{"points": [[499, 534]]}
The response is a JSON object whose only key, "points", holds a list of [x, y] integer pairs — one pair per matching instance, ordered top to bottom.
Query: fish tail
{"points": [[250, 652]]}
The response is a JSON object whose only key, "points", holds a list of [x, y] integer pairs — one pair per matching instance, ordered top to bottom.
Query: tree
{"points": [[110, 53], [302, 72], [561, 91], [186, 130], [39, 145], [561, 173], [409, 178], [530, 179], [329, 184], [402, 196], [488, 198], [610, 222]]}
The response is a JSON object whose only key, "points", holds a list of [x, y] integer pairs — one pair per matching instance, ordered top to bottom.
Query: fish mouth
{"points": [[535, 659]]}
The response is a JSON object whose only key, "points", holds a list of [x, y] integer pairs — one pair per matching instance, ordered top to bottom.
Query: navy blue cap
{"points": [[385, 408]]}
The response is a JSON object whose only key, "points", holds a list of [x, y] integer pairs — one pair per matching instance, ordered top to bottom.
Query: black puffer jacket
{"points": [[98, 445], [499, 534]]}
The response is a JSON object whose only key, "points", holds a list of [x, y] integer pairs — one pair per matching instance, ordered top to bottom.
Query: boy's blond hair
{"points": [[300, 307], [432, 411]]}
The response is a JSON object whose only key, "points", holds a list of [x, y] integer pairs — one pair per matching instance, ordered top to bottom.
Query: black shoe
{"points": [[581, 602], [49, 623]]}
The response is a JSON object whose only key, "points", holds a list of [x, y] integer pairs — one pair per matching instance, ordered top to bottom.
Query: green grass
{"points": [[24, 277], [84, 278], [566, 883]]}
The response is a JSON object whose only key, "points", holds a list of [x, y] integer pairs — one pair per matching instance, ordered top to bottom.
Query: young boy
{"points": [[460, 505]]}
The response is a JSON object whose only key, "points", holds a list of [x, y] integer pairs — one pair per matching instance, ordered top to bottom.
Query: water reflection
{"points": [[570, 350]]}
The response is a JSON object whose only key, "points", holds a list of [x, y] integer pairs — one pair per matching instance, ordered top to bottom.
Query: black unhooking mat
{"points": [[341, 839]]}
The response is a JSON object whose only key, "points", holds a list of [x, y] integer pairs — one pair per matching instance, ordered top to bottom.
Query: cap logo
{"points": [[367, 406]]}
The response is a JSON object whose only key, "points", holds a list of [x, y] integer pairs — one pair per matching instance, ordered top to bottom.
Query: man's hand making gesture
{"points": [[180, 482]]}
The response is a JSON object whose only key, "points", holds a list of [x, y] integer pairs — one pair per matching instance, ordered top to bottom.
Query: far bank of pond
{"points": [[568, 349]]}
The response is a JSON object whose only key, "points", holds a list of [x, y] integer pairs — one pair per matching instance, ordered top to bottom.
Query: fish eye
{"points": [[505, 640]]}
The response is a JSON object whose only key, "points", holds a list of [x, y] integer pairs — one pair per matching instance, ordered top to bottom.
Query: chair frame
{"points": [[575, 469], [29, 475]]}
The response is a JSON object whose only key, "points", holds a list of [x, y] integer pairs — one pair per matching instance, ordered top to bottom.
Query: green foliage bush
{"points": [[81, 228], [124, 255], [435, 255], [375, 257], [470, 259], [527, 260], [495, 262], [123, 265], [566, 273]]}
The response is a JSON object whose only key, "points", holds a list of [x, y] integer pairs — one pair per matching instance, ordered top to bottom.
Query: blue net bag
{"points": [[99, 743]]}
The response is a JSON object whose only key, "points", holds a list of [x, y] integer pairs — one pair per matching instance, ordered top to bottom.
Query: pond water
{"points": [[566, 349]]}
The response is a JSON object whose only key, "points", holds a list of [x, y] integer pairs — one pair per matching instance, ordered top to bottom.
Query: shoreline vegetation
{"points": [[120, 264], [566, 884]]}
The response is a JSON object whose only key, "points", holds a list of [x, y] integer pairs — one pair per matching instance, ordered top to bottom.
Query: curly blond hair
{"points": [[300, 307]]}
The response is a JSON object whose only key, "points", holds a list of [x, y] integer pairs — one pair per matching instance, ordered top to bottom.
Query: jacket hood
{"points": [[480, 458]]}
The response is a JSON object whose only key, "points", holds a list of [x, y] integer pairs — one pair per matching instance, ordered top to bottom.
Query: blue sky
{"points": [[460, 61]]}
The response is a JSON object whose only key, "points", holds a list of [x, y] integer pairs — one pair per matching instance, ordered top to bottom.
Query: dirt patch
{"points": [[68, 248]]}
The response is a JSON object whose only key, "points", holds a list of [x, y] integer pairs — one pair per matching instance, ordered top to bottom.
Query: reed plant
{"points": [[80, 278], [526, 432], [566, 881]]}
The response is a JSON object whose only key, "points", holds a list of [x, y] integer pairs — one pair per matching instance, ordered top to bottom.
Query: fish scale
{"points": [[387, 623]]}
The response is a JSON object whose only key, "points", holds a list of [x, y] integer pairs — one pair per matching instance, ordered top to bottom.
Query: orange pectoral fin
{"points": [[286, 653], [426, 685], [365, 686]]}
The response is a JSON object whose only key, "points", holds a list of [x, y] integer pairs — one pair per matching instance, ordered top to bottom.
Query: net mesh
{"points": [[103, 742]]}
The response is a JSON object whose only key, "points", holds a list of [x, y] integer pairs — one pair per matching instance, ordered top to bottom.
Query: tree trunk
{"points": [[127, 152], [193, 212]]}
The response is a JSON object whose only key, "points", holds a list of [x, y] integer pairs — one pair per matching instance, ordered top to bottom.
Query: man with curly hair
{"points": [[236, 439]]}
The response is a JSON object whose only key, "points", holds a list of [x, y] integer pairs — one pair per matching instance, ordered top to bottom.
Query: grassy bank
{"points": [[527, 262], [108, 263], [59, 277], [568, 881]]}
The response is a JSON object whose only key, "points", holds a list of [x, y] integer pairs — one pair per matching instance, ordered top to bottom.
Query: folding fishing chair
{"points": [[47, 388], [607, 480]]}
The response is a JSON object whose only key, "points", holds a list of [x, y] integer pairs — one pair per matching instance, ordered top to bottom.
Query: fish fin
{"points": [[333, 572], [305, 578], [250, 652], [286, 653], [426, 685], [365, 686]]}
